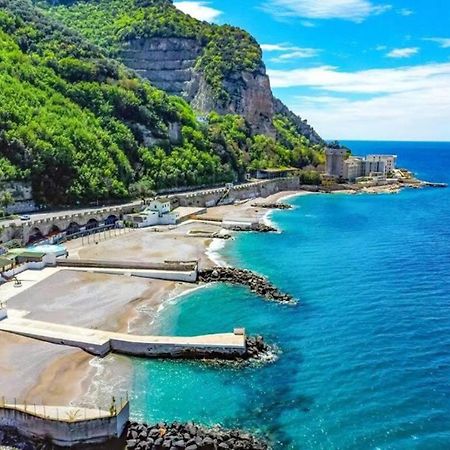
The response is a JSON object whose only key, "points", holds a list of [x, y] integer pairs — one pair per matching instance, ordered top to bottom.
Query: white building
{"points": [[384, 164], [378, 166], [353, 168], [159, 205], [156, 213]]}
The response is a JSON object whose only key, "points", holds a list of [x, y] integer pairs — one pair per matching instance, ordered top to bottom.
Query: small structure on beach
{"points": [[158, 212]]}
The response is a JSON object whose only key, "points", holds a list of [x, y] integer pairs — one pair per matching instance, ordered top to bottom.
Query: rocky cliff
{"points": [[171, 64], [215, 68]]}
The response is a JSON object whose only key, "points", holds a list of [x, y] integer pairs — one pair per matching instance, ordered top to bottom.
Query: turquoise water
{"points": [[366, 356]]}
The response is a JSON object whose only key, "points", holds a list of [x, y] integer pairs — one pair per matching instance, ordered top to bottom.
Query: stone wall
{"points": [[211, 197], [62, 432]]}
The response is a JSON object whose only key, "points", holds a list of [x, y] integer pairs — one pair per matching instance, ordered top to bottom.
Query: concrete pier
{"points": [[100, 343]]}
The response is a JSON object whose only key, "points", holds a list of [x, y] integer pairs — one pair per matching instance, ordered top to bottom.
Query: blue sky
{"points": [[356, 69]]}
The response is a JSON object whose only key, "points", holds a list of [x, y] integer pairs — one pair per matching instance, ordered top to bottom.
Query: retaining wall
{"points": [[210, 197], [161, 271], [65, 433]]}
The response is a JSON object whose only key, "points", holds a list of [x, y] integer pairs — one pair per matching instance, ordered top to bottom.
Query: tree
{"points": [[142, 189], [6, 199]]}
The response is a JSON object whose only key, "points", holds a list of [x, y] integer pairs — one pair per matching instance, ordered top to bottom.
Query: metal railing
{"points": [[68, 414]]}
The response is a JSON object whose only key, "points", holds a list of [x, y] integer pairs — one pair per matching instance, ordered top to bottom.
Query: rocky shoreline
{"points": [[272, 205], [260, 228], [256, 283], [259, 351], [176, 436]]}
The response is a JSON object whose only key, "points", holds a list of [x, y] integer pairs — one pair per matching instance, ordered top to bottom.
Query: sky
{"points": [[355, 69]]}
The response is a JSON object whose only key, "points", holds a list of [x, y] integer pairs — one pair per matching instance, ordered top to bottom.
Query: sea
{"points": [[364, 358]]}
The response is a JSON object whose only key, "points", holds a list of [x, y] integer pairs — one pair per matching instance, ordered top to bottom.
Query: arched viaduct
{"points": [[70, 223]]}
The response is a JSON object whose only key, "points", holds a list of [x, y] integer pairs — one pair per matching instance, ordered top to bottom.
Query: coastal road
{"points": [[54, 213]]}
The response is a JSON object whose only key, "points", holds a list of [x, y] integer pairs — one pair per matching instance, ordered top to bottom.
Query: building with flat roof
{"points": [[334, 162], [381, 163], [371, 165], [354, 167], [158, 212]]}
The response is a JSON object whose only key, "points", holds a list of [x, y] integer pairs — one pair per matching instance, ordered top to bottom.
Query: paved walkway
{"points": [[28, 278]]}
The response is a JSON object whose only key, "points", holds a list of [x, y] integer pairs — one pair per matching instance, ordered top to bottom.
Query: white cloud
{"points": [[199, 10], [353, 10], [405, 12], [443, 42], [275, 47], [289, 52], [403, 52], [300, 53], [372, 81], [403, 103]]}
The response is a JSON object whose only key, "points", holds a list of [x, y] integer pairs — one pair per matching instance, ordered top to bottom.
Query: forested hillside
{"points": [[113, 22], [81, 126]]}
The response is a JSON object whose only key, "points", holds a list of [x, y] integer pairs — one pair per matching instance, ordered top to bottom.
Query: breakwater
{"points": [[272, 205], [258, 227], [256, 283], [190, 437]]}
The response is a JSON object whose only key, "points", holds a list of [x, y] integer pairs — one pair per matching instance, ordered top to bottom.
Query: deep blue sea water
{"points": [[365, 360]]}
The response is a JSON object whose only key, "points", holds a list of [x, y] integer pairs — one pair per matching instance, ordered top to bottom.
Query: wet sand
{"points": [[61, 375]]}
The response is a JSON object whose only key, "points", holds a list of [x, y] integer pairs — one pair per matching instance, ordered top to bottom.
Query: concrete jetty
{"points": [[100, 343]]}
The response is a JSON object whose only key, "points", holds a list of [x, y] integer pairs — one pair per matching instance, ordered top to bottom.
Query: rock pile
{"points": [[272, 205], [260, 227], [256, 283], [258, 350], [189, 436]]}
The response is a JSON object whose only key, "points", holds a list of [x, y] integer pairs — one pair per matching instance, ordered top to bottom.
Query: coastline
{"points": [[68, 376]]}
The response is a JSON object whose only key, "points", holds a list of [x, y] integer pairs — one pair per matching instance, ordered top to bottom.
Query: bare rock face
{"points": [[169, 63]]}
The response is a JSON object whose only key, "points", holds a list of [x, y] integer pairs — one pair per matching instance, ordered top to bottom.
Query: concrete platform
{"points": [[92, 341], [100, 343]]}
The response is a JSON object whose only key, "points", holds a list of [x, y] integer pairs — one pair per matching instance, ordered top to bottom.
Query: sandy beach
{"points": [[55, 374]]}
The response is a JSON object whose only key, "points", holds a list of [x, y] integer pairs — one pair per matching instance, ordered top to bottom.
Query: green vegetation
{"points": [[111, 23], [75, 123], [81, 127]]}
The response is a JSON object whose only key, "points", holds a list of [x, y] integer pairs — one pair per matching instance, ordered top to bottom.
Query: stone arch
{"points": [[111, 219], [91, 224], [73, 228], [53, 230], [34, 235]]}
